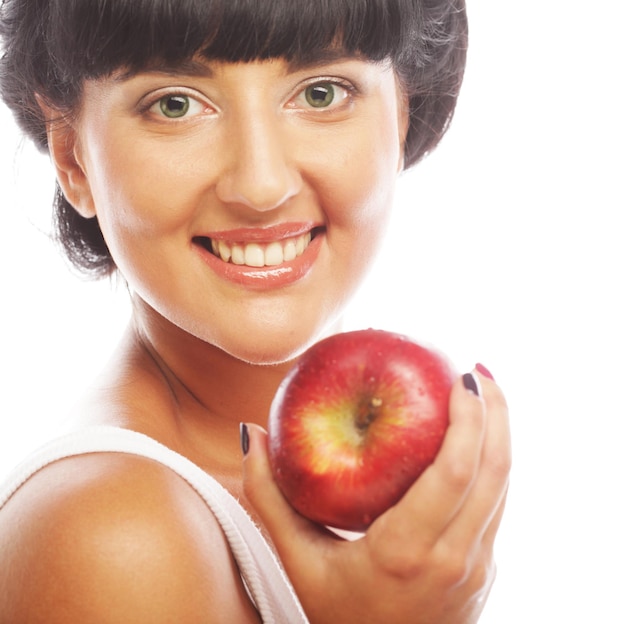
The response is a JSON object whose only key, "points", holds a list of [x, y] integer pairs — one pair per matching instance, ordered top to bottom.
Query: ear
{"points": [[404, 119], [64, 147]]}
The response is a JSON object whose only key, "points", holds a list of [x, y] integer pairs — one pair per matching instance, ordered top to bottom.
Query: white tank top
{"points": [[262, 573]]}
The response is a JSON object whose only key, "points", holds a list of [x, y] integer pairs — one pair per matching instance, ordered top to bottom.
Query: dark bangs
{"points": [[141, 33]]}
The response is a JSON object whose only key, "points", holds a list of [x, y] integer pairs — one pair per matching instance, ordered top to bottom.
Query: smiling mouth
{"points": [[258, 254]]}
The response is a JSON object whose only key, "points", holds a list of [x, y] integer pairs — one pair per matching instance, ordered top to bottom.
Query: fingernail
{"points": [[483, 370], [471, 383], [244, 438]]}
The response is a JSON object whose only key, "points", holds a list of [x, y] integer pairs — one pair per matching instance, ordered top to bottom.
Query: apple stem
{"points": [[368, 413]]}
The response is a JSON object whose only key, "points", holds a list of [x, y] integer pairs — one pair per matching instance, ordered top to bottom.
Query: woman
{"points": [[235, 163]]}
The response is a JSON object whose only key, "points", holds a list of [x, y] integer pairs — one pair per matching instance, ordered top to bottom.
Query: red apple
{"points": [[355, 422]]}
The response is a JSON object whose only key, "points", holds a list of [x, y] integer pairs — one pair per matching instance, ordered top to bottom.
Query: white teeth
{"points": [[301, 243], [224, 251], [289, 252], [274, 254], [237, 255], [254, 255], [260, 255]]}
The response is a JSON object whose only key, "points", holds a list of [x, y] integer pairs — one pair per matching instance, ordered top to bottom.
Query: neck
{"points": [[203, 378], [184, 392]]}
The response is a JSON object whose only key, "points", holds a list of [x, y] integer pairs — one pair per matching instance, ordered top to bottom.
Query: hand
{"points": [[428, 559]]}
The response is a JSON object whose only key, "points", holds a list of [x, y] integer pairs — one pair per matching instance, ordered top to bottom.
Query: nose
{"points": [[258, 171]]}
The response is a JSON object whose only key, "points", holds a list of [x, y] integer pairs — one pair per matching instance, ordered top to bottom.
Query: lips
{"points": [[262, 258]]}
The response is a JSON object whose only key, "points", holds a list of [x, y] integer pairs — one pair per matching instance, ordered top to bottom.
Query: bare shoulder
{"points": [[111, 537]]}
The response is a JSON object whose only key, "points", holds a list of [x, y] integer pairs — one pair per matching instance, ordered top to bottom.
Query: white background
{"points": [[506, 248]]}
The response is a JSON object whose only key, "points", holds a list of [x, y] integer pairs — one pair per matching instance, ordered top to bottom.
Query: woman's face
{"points": [[242, 202]]}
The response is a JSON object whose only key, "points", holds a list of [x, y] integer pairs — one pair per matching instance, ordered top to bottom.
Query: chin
{"points": [[281, 348], [268, 355]]}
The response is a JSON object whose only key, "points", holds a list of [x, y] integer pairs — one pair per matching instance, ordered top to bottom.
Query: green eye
{"points": [[320, 95], [174, 106]]}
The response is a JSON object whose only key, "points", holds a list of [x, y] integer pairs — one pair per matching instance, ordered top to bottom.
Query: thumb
{"points": [[279, 518], [306, 549]]}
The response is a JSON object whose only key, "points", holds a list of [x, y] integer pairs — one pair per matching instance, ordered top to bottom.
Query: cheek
{"points": [[365, 172], [135, 195], [360, 196], [361, 206]]}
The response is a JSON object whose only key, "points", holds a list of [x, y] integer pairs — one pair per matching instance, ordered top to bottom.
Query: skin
{"points": [[122, 539]]}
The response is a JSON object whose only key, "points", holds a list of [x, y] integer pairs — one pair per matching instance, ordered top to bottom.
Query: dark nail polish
{"points": [[483, 370], [470, 383], [244, 438]]}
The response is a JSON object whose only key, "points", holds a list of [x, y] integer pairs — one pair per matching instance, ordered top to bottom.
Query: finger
{"points": [[495, 399], [490, 486], [437, 496], [489, 537], [484, 565]]}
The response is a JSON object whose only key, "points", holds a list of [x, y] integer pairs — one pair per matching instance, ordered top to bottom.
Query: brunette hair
{"points": [[52, 46]]}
